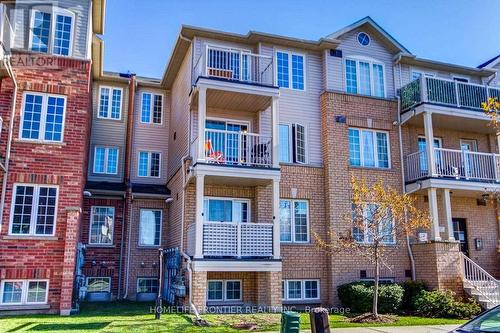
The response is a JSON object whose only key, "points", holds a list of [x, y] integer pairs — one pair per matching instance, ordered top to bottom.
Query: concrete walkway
{"points": [[399, 329]]}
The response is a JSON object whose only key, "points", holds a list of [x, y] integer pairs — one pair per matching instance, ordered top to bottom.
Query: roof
{"points": [[369, 21], [187, 33], [490, 63], [124, 77], [109, 188], [150, 190]]}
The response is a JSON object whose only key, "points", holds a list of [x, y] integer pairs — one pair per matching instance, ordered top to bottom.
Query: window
{"points": [[52, 31], [363, 38], [296, 71], [417, 74], [365, 77], [110, 103], [152, 108], [43, 117], [293, 143], [422, 147], [369, 148], [106, 160], [149, 164], [34, 210], [226, 210], [294, 221], [101, 225], [150, 227], [366, 234], [98, 284], [147, 285], [224, 290], [300, 290], [17, 292]]}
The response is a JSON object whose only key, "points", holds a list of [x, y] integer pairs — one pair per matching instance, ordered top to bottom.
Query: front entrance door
{"points": [[460, 234]]}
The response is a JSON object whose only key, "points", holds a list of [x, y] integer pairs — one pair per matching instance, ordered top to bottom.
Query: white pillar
{"points": [[202, 113], [275, 132], [429, 142], [433, 210], [447, 213], [199, 218], [276, 219]]}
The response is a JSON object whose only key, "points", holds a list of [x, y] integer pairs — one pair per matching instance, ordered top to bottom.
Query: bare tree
{"points": [[381, 219]]}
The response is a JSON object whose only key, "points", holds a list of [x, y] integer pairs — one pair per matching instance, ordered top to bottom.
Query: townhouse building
{"points": [[237, 158]]}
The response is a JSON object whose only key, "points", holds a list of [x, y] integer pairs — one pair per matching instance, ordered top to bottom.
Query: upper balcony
{"points": [[446, 98]]}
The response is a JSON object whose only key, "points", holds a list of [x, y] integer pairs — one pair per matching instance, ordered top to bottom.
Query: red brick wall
{"points": [[62, 164]]}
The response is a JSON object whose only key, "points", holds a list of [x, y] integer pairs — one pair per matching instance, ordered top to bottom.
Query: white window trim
{"points": [[53, 11], [369, 38], [372, 62], [290, 71], [425, 73], [453, 77], [110, 102], [151, 107], [43, 118], [230, 121], [435, 138], [294, 142], [472, 142], [290, 146], [375, 147], [106, 156], [149, 164], [233, 200], [34, 212], [92, 221], [292, 222], [161, 225], [365, 230], [99, 277], [145, 278], [302, 290], [224, 291], [24, 293]]}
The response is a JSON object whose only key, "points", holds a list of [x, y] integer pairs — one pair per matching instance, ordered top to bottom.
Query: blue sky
{"points": [[140, 34]]}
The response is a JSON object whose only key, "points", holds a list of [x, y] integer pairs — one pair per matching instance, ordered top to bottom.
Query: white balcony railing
{"points": [[235, 65], [446, 92], [237, 148], [458, 164], [230, 239]]}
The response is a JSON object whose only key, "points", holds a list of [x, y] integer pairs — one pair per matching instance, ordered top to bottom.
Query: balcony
{"points": [[235, 65], [448, 93], [454, 165], [230, 240]]}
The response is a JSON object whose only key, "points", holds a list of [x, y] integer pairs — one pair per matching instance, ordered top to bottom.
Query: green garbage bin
{"points": [[290, 322]]}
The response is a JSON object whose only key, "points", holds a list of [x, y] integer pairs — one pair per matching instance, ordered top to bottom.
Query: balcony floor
{"points": [[221, 174], [461, 187], [237, 265]]}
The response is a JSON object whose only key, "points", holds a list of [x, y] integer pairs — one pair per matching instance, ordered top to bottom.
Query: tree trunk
{"points": [[375, 287]]}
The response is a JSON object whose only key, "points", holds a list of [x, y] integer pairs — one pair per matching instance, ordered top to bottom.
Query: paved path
{"points": [[398, 329]]}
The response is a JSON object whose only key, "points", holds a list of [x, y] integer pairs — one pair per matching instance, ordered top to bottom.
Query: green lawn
{"points": [[135, 317]]}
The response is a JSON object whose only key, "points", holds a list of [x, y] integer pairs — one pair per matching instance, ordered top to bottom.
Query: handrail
{"points": [[229, 49], [482, 281]]}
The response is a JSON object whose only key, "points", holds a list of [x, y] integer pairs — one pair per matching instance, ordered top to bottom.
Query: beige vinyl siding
{"points": [[20, 19], [200, 45], [350, 47], [406, 71], [296, 106], [179, 116], [252, 118], [108, 132], [150, 137]]}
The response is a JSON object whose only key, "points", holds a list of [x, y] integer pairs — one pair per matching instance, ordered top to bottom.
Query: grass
{"points": [[135, 317]]}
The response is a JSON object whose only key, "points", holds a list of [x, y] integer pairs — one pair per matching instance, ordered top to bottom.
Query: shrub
{"points": [[411, 290], [358, 297], [443, 304]]}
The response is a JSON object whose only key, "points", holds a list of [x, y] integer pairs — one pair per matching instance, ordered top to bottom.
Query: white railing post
{"points": [[205, 61], [423, 88], [457, 94], [202, 111], [275, 132], [429, 143], [240, 147], [465, 161], [495, 166], [199, 218], [276, 220], [238, 239]]}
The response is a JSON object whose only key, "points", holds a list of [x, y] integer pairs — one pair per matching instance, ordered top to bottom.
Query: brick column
{"points": [[72, 221], [438, 264], [269, 289], [199, 292]]}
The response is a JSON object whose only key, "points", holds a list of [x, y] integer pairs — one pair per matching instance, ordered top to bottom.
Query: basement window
{"points": [[18, 292]]}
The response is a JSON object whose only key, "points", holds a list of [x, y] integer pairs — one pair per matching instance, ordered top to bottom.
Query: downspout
{"points": [[9, 139], [127, 212], [408, 245], [190, 274]]}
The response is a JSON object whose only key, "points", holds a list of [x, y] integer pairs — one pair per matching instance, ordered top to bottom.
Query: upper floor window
{"points": [[52, 31], [290, 70], [416, 74], [364, 77], [110, 103], [152, 108], [43, 117], [292, 143], [368, 148], [106, 160], [149, 164], [34, 210], [226, 210], [102, 221], [294, 221], [150, 227], [371, 228]]}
